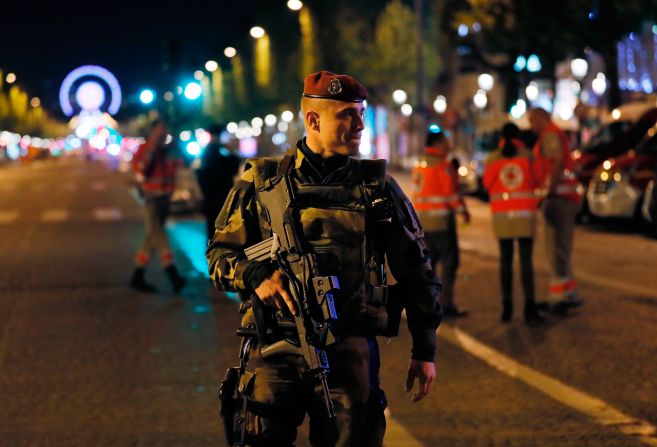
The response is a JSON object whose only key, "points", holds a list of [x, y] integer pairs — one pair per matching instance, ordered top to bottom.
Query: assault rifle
{"points": [[312, 293]]}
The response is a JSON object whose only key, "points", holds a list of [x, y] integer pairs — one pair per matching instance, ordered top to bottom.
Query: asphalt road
{"points": [[86, 361]]}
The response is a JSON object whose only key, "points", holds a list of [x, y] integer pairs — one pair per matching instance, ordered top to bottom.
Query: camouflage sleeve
{"points": [[236, 228], [409, 262]]}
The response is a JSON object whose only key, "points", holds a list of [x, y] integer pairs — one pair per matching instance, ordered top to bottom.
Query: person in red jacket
{"points": [[155, 165], [512, 178], [437, 198], [560, 208]]}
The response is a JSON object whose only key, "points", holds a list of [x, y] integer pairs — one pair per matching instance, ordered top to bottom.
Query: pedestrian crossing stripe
{"points": [[99, 186], [108, 214], [54, 215], [57, 215], [8, 216]]}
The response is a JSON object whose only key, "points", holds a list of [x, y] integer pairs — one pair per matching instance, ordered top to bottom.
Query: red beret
{"points": [[327, 85]]}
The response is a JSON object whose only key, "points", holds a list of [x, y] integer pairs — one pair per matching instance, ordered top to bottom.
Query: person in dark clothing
{"points": [[215, 176]]}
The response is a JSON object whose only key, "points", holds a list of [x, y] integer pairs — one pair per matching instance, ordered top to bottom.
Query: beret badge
{"points": [[335, 87]]}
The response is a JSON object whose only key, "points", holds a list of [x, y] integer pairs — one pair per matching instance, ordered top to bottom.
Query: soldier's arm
{"points": [[236, 228], [408, 258]]}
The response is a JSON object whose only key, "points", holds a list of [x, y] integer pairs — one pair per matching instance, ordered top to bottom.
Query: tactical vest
{"points": [[341, 222]]}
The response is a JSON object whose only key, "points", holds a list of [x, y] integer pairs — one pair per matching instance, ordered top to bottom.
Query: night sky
{"points": [[41, 44]]}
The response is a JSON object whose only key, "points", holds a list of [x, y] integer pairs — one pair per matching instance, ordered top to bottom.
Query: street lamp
{"points": [[294, 5], [257, 32], [230, 52], [534, 64], [211, 66], [579, 67], [199, 75], [11, 78], [485, 82], [599, 84], [193, 91], [531, 91], [146, 96], [168, 96], [399, 97], [480, 99], [440, 104], [407, 110], [287, 116], [271, 120]]}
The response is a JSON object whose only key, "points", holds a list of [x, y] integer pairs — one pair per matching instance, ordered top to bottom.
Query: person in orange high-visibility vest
{"points": [[155, 165], [512, 178], [437, 198], [560, 207]]}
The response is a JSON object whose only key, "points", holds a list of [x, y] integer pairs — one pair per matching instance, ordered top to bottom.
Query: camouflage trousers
{"points": [[280, 395]]}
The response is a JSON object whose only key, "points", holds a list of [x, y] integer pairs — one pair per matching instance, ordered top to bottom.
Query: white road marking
{"points": [[99, 186], [107, 214], [54, 215], [8, 216], [593, 278], [598, 410], [396, 435]]}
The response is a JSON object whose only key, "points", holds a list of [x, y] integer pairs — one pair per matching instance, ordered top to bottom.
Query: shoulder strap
{"points": [[373, 172]]}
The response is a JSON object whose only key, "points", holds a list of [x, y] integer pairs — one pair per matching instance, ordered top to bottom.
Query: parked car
{"points": [[623, 129], [619, 186]]}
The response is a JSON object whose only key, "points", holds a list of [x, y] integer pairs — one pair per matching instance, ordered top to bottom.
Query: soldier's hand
{"points": [[272, 292], [426, 373]]}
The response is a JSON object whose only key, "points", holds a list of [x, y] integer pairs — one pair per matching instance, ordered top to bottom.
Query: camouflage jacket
{"points": [[240, 224]]}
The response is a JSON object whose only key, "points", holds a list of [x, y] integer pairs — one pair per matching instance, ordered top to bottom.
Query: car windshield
{"points": [[607, 134]]}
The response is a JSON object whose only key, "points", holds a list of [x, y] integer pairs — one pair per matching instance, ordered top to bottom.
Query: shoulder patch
{"points": [[260, 169]]}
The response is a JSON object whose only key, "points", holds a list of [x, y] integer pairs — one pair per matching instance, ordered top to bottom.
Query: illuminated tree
{"points": [[554, 30], [385, 57]]}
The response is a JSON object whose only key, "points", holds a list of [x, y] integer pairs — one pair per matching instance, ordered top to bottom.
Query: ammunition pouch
{"points": [[382, 317], [234, 404]]}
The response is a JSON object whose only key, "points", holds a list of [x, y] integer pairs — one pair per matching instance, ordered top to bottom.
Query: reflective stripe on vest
{"points": [[514, 195], [436, 199], [434, 212], [514, 214]]}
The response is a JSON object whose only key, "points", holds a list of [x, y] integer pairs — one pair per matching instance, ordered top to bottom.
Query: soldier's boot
{"points": [[177, 281], [138, 282], [507, 311]]}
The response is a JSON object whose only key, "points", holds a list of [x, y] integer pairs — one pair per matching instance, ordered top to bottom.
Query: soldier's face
{"points": [[341, 126]]}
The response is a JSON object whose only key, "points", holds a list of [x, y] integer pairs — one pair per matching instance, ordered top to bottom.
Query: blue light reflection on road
{"points": [[189, 237]]}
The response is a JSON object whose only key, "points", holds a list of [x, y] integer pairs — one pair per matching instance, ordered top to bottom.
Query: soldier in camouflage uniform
{"points": [[335, 193]]}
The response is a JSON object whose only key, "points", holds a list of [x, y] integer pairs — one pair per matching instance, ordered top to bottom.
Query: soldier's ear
{"points": [[312, 120]]}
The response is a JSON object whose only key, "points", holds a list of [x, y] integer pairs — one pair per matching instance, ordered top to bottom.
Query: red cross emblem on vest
{"points": [[511, 176]]}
